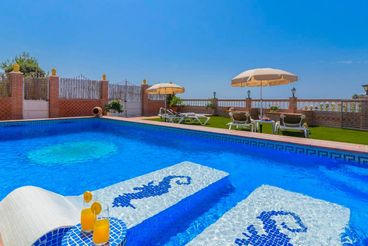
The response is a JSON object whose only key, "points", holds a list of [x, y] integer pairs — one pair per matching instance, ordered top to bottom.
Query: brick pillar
{"points": [[16, 82], [104, 91], [54, 96], [144, 98], [248, 104], [293, 104], [215, 106], [364, 114]]}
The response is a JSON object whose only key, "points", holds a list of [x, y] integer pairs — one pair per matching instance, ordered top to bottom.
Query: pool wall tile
{"points": [[49, 127], [337, 155]]}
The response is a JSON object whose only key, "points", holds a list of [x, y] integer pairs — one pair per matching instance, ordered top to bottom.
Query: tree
{"points": [[28, 65], [172, 100]]}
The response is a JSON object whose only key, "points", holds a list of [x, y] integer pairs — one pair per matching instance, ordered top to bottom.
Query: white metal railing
{"points": [[154, 97], [196, 102], [237, 103], [268, 103], [330, 105]]}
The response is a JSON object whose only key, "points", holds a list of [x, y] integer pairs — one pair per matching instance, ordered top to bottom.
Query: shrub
{"points": [[175, 101], [114, 106], [274, 108]]}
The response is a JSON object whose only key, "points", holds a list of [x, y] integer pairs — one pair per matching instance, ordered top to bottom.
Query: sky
{"points": [[199, 44]]}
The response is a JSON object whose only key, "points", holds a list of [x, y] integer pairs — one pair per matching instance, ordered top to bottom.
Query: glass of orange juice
{"points": [[88, 217], [101, 229]]}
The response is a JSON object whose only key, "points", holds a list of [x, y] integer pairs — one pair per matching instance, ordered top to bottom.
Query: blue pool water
{"points": [[72, 156]]}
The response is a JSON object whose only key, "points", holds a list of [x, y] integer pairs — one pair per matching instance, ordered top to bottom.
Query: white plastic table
{"points": [[260, 122]]}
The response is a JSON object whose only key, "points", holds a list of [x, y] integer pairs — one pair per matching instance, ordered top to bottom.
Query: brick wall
{"points": [[16, 80], [104, 92], [53, 96], [60, 107], [77, 107], [149, 107], [153, 107], [6, 108], [11, 108], [195, 109], [224, 111], [364, 115], [309, 117], [314, 118], [322, 118], [352, 120]]}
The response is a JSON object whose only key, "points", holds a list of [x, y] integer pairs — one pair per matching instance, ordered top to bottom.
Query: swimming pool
{"points": [[71, 156]]}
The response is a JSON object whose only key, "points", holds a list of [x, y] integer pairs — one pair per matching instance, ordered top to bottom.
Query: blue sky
{"points": [[200, 44]]}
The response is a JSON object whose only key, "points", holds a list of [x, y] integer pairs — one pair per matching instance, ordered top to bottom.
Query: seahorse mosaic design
{"points": [[150, 190], [273, 236]]}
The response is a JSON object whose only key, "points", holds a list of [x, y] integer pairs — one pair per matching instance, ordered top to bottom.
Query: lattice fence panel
{"points": [[5, 88], [36, 88], [79, 88]]}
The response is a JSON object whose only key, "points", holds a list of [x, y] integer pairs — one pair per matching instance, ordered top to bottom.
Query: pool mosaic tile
{"points": [[150, 190], [140, 198], [273, 216], [75, 236], [52, 238]]}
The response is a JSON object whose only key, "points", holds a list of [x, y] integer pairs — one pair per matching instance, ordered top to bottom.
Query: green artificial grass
{"points": [[317, 132]]}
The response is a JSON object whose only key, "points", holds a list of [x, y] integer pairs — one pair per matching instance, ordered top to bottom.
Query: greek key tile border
{"points": [[344, 156], [351, 157]]}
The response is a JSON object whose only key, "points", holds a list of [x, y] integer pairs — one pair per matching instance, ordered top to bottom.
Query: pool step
{"points": [[152, 205], [273, 216]]}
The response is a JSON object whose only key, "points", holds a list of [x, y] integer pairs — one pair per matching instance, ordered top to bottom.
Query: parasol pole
{"points": [[261, 104]]}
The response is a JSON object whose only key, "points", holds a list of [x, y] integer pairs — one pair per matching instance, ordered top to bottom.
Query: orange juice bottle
{"points": [[101, 231]]}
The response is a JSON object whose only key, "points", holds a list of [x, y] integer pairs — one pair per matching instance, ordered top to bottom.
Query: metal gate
{"points": [[130, 96], [36, 98]]}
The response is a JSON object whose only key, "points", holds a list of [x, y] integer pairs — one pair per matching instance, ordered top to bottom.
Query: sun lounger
{"points": [[168, 115], [196, 118], [241, 119], [292, 122], [152, 201], [29, 212], [273, 216]]}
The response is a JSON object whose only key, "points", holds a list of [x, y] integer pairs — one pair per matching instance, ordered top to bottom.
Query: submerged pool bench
{"points": [[151, 205], [273, 216]]}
